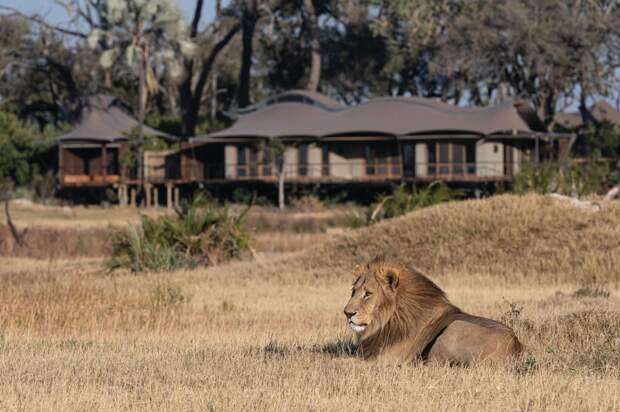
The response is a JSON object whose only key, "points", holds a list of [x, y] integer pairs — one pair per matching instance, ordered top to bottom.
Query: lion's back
{"points": [[471, 338]]}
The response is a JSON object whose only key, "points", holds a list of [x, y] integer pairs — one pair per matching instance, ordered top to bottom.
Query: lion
{"points": [[399, 313]]}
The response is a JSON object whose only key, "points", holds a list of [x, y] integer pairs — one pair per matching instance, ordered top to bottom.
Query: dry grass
{"points": [[56, 232], [530, 237], [269, 334]]}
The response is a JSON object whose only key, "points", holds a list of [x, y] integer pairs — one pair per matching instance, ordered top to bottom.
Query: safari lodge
{"points": [[317, 140]]}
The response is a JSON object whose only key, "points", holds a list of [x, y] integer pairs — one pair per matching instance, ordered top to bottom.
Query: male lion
{"points": [[400, 314]]}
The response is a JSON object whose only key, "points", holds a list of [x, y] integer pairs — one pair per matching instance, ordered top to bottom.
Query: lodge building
{"points": [[383, 140]]}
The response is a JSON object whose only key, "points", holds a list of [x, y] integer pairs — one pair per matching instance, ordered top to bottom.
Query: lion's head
{"points": [[373, 298], [390, 302]]}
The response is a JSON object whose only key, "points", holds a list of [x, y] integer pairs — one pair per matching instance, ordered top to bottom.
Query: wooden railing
{"points": [[353, 171]]}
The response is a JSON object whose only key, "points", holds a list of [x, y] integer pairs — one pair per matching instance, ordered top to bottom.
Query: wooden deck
{"points": [[335, 173]]}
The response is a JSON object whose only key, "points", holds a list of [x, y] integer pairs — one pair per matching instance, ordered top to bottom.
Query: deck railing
{"points": [[353, 171]]}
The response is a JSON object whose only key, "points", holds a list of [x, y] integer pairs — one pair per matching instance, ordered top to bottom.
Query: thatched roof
{"points": [[104, 120]]}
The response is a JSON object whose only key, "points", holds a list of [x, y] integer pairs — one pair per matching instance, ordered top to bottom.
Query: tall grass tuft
{"points": [[403, 201], [201, 233]]}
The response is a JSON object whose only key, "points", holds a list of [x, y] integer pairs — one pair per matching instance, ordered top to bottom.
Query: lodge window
{"points": [[370, 153], [451, 158], [267, 159], [302, 159], [409, 159], [380, 160], [242, 161], [247, 161], [253, 161]]}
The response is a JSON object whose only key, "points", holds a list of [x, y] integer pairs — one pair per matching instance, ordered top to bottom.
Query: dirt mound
{"points": [[509, 236]]}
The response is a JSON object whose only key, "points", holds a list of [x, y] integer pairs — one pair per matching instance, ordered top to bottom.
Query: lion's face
{"points": [[372, 302]]}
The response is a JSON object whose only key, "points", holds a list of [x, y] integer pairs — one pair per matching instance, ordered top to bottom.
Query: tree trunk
{"points": [[218, 13], [249, 18], [315, 65], [190, 97], [141, 113], [280, 170], [281, 200], [17, 236]]}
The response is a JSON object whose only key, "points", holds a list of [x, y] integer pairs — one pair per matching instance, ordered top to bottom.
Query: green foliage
{"points": [[130, 24], [165, 122], [601, 140], [154, 143], [20, 145], [536, 178], [573, 179], [44, 186], [245, 196], [403, 201], [201, 233]]}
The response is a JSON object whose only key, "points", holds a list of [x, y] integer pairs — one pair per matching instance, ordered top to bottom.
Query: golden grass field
{"points": [[269, 333]]}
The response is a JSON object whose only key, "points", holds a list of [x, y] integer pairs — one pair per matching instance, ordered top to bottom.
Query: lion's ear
{"points": [[391, 279]]}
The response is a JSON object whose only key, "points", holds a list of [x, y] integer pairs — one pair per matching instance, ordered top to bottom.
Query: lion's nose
{"points": [[348, 314]]}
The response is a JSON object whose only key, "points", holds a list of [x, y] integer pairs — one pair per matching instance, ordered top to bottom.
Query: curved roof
{"points": [[296, 96], [601, 111], [400, 116], [103, 120]]}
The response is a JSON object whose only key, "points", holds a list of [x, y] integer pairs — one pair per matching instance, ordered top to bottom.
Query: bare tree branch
{"points": [[39, 20]]}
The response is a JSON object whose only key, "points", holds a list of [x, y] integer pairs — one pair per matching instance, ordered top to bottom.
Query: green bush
{"points": [[21, 146], [573, 179], [403, 201], [201, 233]]}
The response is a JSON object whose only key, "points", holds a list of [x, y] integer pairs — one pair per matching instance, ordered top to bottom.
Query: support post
{"points": [[104, 162], [61, 164], [147, 191], [132, 192], [169, 196], [177, 196], [155, 197]]}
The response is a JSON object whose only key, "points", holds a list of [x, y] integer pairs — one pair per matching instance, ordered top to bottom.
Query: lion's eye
{"points": [[352, 292], [367, 294]]}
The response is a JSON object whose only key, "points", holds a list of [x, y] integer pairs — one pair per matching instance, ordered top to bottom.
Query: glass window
{"points": [[370, 155], [409, 159], [242, 161]]}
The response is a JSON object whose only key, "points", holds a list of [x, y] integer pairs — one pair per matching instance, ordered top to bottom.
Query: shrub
{"points": [[574, 179], [402, 201], [307, 203], [201, 233]]}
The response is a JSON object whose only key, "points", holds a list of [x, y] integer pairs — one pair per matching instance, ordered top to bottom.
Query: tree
{"points": [[412, 30], [313, 33], [145, 36], [545, 51], [198, 68], [42, 77]]}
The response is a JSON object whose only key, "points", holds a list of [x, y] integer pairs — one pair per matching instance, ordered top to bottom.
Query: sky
{"points": [[56, 14]]}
